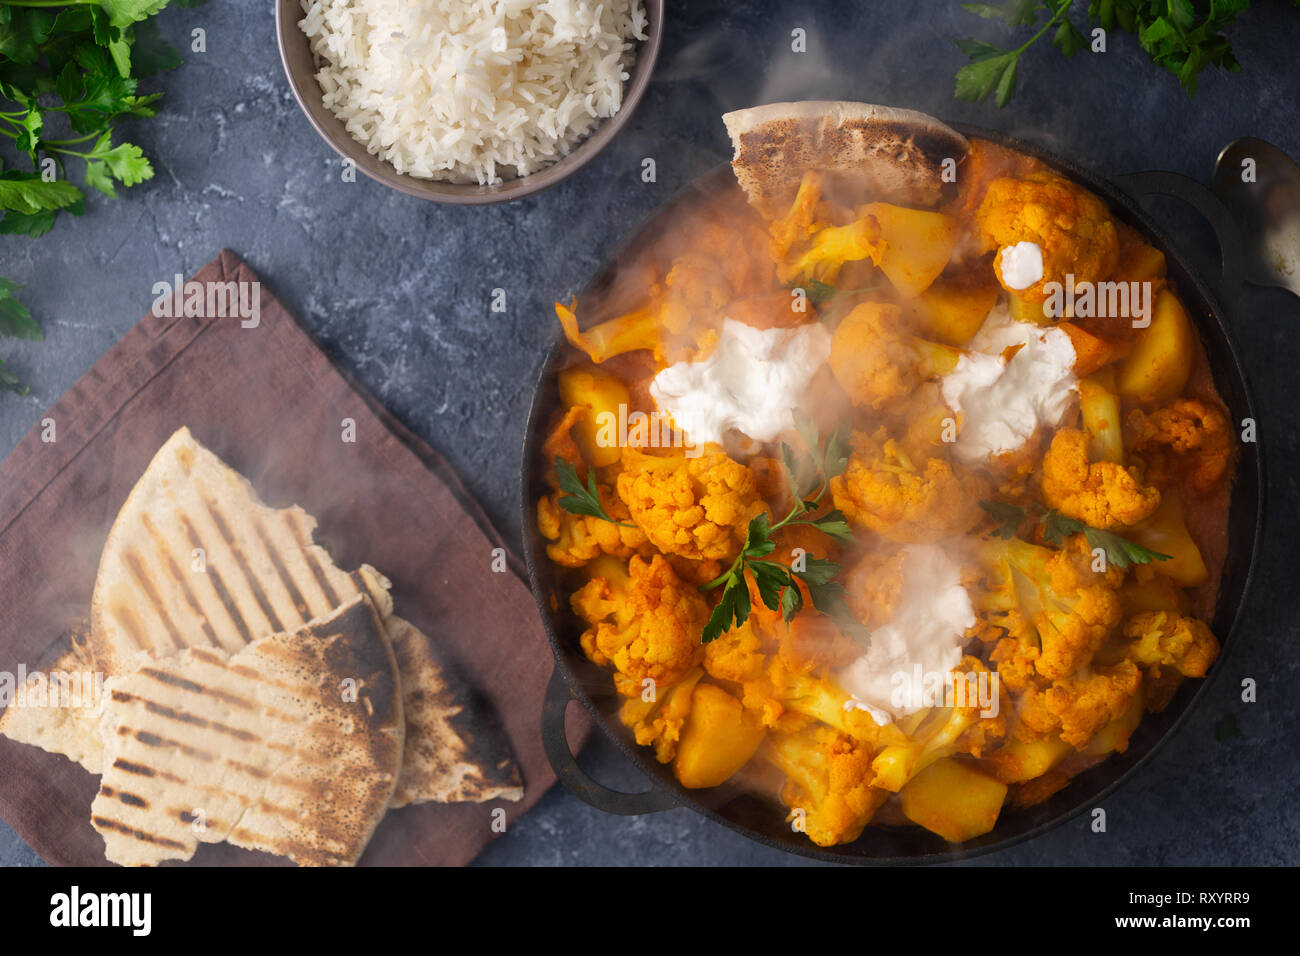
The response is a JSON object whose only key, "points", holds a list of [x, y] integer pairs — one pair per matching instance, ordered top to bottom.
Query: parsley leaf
{"points": [[1180, 36], [66, 76], [33, 195], [15, 321], [809, 478], [581, 500], [1011, 517], [1120, 552]]}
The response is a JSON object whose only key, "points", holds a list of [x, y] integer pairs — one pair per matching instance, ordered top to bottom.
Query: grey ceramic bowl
{"points": [[295, 54]]}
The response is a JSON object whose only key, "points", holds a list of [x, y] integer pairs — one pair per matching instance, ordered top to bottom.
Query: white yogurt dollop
{"points": [[1022, 265], [751, 382], [1002, 400], [927, 628]]}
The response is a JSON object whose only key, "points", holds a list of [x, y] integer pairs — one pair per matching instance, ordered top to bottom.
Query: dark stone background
{"points": [[398, 290]]}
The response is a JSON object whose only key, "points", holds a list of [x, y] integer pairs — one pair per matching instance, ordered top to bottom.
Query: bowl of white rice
{"points": [[468, 101]]}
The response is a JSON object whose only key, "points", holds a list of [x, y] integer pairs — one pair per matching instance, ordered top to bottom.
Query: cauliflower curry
{"points": [[1024, 499]]}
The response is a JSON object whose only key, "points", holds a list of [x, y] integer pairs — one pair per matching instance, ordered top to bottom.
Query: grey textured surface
{"points": [[399, 291]]}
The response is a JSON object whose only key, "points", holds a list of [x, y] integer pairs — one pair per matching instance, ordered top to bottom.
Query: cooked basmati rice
{"points": [[472, 91]]}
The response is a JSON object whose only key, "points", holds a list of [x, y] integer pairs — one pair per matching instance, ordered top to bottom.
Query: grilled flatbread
{"points": [[868, 152], [195, 559], [67, 722], [291, 746], [455, 750]]}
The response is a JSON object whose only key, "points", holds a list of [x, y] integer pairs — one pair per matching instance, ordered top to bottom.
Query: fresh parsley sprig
{"points": [[1180, 36], [69, 71], [809, 479], [580, 500], [1120, 552]]}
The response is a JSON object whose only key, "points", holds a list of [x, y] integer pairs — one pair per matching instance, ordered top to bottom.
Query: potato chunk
{"points": [[918, 245], [1161, 360], [600, 394], [719, 738], [953, 799]]}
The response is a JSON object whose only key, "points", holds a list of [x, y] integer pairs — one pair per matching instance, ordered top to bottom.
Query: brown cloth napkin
{"points": [[269, 402]]}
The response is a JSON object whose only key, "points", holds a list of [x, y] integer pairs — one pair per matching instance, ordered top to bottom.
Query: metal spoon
{"points": [[1260, 184]]}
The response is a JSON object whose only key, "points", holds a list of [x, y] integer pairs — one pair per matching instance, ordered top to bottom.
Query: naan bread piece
{"points": [[869, 153], [195, 559], [260, 574], [68, 721], [291, 746], [455, 749]]}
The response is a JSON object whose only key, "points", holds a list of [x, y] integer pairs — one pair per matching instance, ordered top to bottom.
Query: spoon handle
{"points": [[1204, 201]]}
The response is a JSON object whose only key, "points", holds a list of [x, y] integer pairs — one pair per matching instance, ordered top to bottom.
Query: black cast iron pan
{"points": [[576, 678]]}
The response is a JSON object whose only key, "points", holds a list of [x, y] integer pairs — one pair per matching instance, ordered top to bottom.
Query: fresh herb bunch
{"points": [[1182, 36], [68, 73], [809, 479], [1120, 552]]}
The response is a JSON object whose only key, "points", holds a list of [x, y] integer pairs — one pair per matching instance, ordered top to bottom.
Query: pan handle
{"points": [[1204, 201], [574, 779]]}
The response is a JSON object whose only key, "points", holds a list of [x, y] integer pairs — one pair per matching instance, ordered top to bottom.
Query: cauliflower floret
{"points": [[1070, 225], [796, 226], [832, 247], [878, 361], [1192, 431], [559, 443], [883, 490], [1103, 494], [699, 508], [576, 539], [874, 586], [1072, 609], [646, 622], [1163, 639], [737, 655], [782, 691], [1086, 705], [1076, 708], [658, 721], [828, 779]]}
